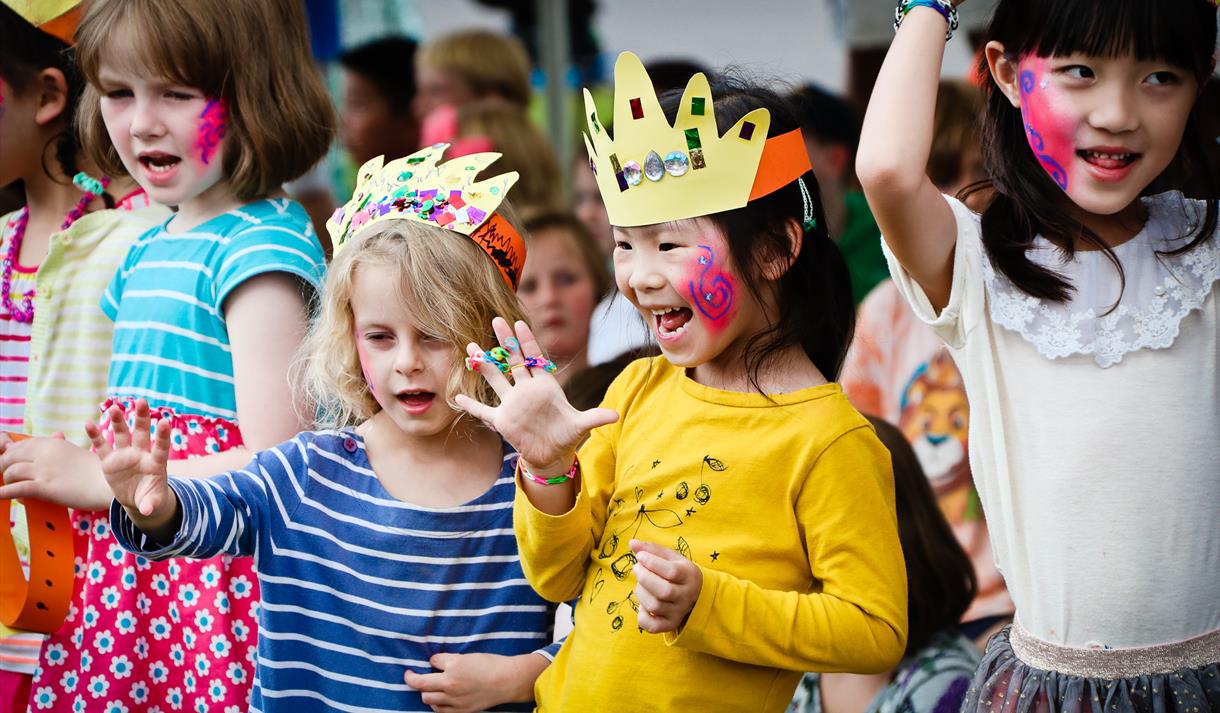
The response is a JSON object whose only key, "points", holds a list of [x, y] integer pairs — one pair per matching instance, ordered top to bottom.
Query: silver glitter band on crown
{"points": [[1115, 663]]}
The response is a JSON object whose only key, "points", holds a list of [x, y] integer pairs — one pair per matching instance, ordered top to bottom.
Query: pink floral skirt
{"points": [[153, 637]]}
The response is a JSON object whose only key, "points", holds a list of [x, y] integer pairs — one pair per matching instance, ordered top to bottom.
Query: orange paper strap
{"points": [[784, 159], [504, 246], [41, 603]]}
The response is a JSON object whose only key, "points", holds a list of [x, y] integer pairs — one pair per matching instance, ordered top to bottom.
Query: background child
{"points": [[471, 64], [376, 116], [59, 252], [563, 281], [1074, 308], [208, 309], [898, 369], [731, 501], [385, 542], [939, 661]]}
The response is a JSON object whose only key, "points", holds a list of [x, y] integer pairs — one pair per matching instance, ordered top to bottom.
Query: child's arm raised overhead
{"points": [[895, 142]]}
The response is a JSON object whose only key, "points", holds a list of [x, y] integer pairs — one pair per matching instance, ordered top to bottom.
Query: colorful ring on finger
{"points": [[499, 354], [490, 358], [472, 362], [540, 362]]}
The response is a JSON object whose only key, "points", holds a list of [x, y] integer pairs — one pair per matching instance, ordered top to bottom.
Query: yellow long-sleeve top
{"points": [[786, 505]]}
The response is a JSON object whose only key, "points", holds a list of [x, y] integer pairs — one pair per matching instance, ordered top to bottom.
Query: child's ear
{"points": [[1003, 71], [52, 96], [776, 265]]}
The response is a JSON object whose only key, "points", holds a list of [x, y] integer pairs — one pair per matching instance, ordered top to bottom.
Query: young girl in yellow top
{"points": [[730, 520]]}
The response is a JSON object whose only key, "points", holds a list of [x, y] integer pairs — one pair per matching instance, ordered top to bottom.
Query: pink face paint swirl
{"points": [[212, 123], [1048, 129], [711, 290]]}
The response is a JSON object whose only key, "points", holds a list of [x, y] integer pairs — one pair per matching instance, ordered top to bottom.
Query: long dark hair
{"points": [[28, 51], [1026, 201], [814, 296], [940, 577]]}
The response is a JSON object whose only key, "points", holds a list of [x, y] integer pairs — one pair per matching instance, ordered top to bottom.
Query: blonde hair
{"points": [[253, 54], [490, 63], [955, 126], [524, 149], [449, 285]]}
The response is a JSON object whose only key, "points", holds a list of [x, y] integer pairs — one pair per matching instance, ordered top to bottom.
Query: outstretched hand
{"points": [[534, 415], [136, 468]]}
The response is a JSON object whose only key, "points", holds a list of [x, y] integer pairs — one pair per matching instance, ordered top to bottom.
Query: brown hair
{"points": [[252, 54], [490, 63], [954, 128], [524, 150], [564, 221], [449, 285], [940, 577]]}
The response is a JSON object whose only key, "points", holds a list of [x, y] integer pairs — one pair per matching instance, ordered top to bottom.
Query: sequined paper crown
{"points": [[652, 172], [443, 195]]}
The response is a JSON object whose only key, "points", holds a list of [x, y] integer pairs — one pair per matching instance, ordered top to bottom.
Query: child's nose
{"points": [[1115, 110], [145, 121], [646, 275]]}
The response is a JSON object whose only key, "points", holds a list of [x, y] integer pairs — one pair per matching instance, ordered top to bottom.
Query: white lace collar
{"points": [[1160, 290]]}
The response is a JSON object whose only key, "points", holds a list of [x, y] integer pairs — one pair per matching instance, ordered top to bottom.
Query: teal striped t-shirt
{"points": [[171, 344]]}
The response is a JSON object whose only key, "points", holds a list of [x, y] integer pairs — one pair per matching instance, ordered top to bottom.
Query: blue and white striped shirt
{"points": [[171, 343], [357, 586]]}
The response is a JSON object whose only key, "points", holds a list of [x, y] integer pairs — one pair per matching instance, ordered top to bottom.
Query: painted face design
{"points": [[213, 121], [1050, 121], [711, 289]]}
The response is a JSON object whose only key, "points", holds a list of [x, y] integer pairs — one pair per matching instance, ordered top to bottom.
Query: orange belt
{"points": [[41, 603]]}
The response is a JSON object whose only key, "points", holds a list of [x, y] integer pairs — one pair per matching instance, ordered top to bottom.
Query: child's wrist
{"points": [[557, 471]]}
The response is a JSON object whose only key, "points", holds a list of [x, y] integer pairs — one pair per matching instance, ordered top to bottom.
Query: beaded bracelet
{"points": [[944, 7], [550, 481]]}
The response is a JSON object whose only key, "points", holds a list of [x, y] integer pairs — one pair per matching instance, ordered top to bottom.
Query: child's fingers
{"points": [[510, 343], [529, 344], [492, 375], [478, 409], [595, 417], [118, 425], [142, 433], [160, 446], [100, 447], [17, 472], [22, 489], [151, 498], [664, 562], [657, 588], [653, 623], [424, 682]]}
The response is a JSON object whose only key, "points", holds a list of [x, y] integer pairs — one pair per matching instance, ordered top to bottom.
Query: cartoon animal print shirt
{"points": [[899, 370], [786, 505]]}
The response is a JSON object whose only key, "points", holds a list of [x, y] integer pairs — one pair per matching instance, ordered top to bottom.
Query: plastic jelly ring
{"points": [[539, 362], [41, 602]]}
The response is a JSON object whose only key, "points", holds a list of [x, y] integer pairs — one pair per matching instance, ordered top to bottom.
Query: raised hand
{"points": [[534, 414], [135, 469]]}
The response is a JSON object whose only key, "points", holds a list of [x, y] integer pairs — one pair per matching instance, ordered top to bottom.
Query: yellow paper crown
{"points": [[54, 17], [652, 172], [419, 188]]}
